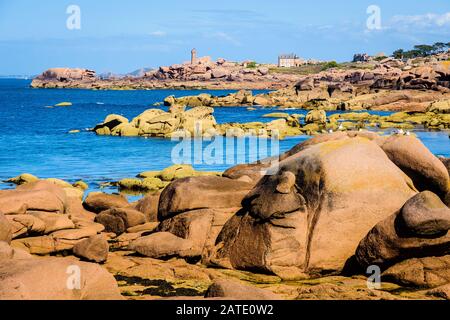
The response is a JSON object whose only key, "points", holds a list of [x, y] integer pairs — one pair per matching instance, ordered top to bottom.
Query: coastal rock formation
{"points": [[202, 73], [66, 74], [421, 87], [157, 123], [40, 196], [98, 202], [335, 204], [311, 215], [200, 217], [118, 220], [5, 229], [419, 229], [163, 245], [93, 249], [427, 272], [47, 279], [234, 290]]}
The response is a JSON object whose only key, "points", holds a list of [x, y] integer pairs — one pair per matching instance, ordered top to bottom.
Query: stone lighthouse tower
{"points": [[194, 56]]}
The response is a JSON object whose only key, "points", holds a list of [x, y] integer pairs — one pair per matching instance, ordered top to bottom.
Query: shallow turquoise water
{"points": [[34, 138]]}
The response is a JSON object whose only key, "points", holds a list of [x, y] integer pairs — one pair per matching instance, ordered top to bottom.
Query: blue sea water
{"points": [[35, 138]]}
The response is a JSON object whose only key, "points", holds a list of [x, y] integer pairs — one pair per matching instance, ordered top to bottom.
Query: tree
{"points": [[439, 47], [424, 50], [398, 54], [411, 54]]}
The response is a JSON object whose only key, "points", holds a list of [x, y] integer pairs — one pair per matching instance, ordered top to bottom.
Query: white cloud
{"points": [[424, 20], [158, 33]]}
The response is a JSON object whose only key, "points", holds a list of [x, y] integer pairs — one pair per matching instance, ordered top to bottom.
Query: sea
{"points": [[35, 138]]}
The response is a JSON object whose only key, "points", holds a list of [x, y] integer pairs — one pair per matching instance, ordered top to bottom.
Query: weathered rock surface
{"points": [[157, 123], [426, 171], [204, 192], [42, 196], [98, 202], [149, 207], [312, 214], [119, 220], [419, 229], [6, 232], [162, 245], [93, 249], [8, 252], [428, 272], [49, 279], [234, 290], [441, 292]]}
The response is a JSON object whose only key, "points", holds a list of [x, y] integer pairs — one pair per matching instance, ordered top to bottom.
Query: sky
{"points": [[122, 36]]}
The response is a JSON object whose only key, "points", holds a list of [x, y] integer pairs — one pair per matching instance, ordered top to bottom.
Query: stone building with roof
{"points": [[289, 61]]}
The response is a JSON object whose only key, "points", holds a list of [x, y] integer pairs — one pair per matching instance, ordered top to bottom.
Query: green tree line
{"points": [[422, 50]]}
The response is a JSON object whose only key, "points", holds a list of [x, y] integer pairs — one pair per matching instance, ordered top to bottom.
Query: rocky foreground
{"points": [[338, 205]]}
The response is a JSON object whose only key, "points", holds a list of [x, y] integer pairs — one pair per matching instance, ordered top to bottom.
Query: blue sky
{"points": [[121, 36]]}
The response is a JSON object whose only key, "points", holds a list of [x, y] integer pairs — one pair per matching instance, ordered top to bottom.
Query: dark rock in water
{"points": [[419, 229], [93, 249], [234, 290]]}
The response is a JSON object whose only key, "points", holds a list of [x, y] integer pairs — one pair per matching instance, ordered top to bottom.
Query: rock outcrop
{"points": [[157, 123], [311, 215], [418, 229], [49, 279], [234, 290]]}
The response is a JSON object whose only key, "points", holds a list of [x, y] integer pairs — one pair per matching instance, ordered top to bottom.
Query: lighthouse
{"points": [[194, 56]]}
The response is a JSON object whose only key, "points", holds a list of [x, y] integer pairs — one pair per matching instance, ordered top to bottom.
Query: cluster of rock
{"points": [[205, 69], [204, 73], [66, 75], [392, 85], [434, 117], [200, 122], [158, 123], [162, 124], [154, 181], [338, 203], [335, 204]]}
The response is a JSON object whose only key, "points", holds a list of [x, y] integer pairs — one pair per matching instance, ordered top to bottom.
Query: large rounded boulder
{"points": [[311, 215], [419, 229], [55, 279]]}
